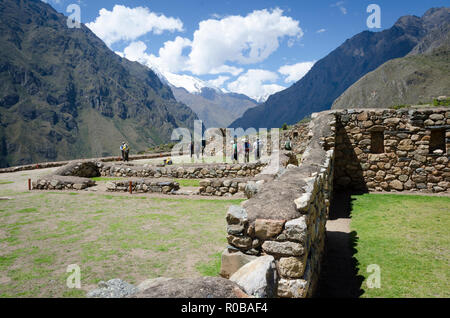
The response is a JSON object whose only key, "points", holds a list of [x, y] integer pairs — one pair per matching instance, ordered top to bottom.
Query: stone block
{"points": [[265, 229], [283, 248], [232, 262], [257, 278], [292, 288]]}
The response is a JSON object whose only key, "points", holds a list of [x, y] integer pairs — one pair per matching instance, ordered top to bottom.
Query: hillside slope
{"points": [[332, 75], [416, 78], [65, 95]]}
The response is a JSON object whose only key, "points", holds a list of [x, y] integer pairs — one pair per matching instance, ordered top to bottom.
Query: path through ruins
{"points": [[339, 277]]}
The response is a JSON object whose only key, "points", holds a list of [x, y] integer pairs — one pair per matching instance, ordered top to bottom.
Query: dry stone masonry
{"points": [[393, 150], [283, 225]]}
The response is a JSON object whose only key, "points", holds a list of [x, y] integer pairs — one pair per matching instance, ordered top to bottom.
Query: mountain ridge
{"points": [[341, 68], [66, 95]]}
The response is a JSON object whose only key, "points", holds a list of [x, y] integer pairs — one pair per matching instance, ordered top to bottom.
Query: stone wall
{"points": [[393, 150], [185, 171], [55, 182], [143, 186], [219, 187], [280, 232]]}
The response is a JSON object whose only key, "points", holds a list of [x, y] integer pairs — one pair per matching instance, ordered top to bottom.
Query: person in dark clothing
{"points": [[203, 147], [192, 149], [247, 150]]}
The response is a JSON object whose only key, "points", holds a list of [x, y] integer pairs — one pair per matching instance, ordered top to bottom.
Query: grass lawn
{"points": [[188, 182], [107, 236], [408, 237]]}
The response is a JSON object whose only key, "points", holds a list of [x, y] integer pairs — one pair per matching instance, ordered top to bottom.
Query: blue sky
{"points": [[289, 35]]}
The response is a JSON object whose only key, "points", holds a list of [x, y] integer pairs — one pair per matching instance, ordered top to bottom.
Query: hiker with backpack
{"points": [[125, 151]]}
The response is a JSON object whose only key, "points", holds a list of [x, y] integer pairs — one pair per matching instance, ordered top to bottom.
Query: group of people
{"points": [[247, 148], [196, 149]]}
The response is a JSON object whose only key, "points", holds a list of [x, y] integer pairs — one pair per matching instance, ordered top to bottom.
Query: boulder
{"points": [[257, 278], [202, 287]]}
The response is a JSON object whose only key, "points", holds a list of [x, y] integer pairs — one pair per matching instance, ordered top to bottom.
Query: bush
{"points": [[284, 127]]}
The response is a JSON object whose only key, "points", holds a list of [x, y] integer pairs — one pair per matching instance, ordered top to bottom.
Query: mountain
{"points": [[332, 75], [421, 76], [64, 94], [215, 107]]}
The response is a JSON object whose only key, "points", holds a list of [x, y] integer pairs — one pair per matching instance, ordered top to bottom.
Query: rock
{"points": [[205, 183], [396, 185], [79, 186], [250, 189], [302, 203], [236, 215], [235, 229], [265, 229], [294, 230], [243, 242], [283, 248], [232, 262], [292, 267], [257, 278], [151, 283], [202, 287], [114, 288], [291, 288]]}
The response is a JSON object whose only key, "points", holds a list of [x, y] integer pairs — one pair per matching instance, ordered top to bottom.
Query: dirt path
{"points": [[339, 274]]}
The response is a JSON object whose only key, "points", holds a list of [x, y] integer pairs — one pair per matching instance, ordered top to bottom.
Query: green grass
{"points": [[105, 179], [6, 182], [188, 182], [109, 236], [408, 237], [212, 267]]}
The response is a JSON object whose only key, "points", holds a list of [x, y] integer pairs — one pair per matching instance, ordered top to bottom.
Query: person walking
{"points": [[257, 148], [235, 151]]}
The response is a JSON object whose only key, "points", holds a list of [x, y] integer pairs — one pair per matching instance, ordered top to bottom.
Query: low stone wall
{"points": [[393, 150], [44, 165], [185, 172], [55, 182], [143, 186], [219, 187], [280, 232]]}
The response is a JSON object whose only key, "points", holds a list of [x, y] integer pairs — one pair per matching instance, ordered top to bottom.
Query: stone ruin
{"points": [[276, 238]]}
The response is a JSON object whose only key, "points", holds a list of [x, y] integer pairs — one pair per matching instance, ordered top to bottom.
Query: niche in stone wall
{"points": [[437, 140], [377, 142]]}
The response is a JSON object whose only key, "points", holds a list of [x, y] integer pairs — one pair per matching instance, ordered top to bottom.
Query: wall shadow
{"points": [[348, 172], [339, 273]]}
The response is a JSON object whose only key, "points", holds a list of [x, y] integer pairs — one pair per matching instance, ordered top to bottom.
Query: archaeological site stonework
{"points": [[277, 237]]}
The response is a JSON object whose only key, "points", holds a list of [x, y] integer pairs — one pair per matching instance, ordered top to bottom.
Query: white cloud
{"points": [[340, 5], [123, 23], [321, 31], [243, 40], [295, 72], [219, 81], [256, 83]]}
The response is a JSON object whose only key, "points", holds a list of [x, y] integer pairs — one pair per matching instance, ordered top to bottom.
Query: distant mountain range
{"points": [[333, 75], [420, 77], [64, 94], [214, 106]]}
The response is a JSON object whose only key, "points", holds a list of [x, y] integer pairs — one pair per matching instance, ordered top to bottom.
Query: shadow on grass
{"points": [[339, 274]]}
